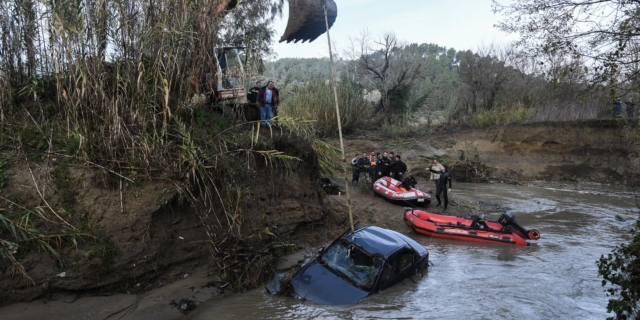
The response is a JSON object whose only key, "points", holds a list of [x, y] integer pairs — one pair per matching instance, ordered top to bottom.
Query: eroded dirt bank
{"points": [[594, 151], [145, 247], [161, 264]]}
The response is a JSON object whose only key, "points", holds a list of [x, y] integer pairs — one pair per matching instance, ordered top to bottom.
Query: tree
{"points": [[250, 25], [605, 33], [602, 37], [386, 64], [485, 74], [621, 270]]}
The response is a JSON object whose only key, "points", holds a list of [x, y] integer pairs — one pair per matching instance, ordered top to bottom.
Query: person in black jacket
{"points": [[252, 96], [364, 163], [356, 164], [392, 164], [373, 166], [384, 167], [399, 168], [442, 185]]}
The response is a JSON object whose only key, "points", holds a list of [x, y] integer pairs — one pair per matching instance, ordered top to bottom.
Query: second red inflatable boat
{"points": [[504, 231]]}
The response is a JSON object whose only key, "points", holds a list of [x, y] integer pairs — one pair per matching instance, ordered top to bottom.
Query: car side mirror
{"points": [[321, 249]]}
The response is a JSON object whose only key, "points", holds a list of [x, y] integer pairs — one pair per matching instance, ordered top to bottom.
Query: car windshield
{"points": [[352, 262]]}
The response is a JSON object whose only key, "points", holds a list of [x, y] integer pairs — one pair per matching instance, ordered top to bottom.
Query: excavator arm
{"points": [[306, 19]]}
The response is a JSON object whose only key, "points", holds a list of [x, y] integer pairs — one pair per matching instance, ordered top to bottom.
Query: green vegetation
{"points": [[584, 64], [296, 71], [429, 84], [108, 86], [316, 101], [502, 116], [327, 155], [19, 235], [620, 271]]}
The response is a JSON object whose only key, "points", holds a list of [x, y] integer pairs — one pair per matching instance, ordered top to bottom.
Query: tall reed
{"points": [[115, 83], [315, 101]]}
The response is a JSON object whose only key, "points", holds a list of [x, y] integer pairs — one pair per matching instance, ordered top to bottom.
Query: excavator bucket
{"points": [[306, 19]]}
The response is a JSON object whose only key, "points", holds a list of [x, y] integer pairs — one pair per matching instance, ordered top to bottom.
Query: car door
{"points": [[397, 268]]}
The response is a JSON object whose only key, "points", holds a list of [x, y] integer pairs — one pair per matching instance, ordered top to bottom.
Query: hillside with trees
{"points": [[490, 86]]}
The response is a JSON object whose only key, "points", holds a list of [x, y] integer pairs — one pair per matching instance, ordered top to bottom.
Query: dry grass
{"points": [[115, 84], [315, 101], [502, 116]]}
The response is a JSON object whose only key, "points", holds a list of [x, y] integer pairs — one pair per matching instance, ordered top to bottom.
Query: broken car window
{"points": [[353, 263]]}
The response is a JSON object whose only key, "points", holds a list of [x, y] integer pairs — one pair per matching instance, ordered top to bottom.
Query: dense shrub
{"points": [[315, 101]]}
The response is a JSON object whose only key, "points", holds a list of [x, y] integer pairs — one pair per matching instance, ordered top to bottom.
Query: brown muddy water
{"points": [[554, 278]]}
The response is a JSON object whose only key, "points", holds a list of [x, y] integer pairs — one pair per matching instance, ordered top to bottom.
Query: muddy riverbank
{"points": [[600, 151], [162, 265]]}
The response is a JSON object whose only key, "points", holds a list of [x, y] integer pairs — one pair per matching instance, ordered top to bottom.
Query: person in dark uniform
{"points": [[252, 96], [630, 106], [356, 163], [364, 163], [373, 164], [392, 164], [383, 166], [399, 168], [442, 186]]}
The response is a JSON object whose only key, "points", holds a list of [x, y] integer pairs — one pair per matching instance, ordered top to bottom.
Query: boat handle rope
{"points": [[468, 228]]}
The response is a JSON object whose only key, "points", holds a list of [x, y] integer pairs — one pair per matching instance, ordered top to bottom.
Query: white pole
{"points": [[335, 90], [335, 94]]}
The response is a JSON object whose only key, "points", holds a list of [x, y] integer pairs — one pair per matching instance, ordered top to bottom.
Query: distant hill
{"points": [[433, 89]]}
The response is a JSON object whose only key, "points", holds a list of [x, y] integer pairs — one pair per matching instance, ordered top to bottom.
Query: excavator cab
{"points": [[307, 21], [227, 82]]}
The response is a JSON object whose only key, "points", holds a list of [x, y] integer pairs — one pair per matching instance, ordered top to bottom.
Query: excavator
{"points": [[307, 19], [306, 22]]}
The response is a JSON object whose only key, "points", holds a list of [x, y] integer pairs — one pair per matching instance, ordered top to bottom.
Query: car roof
{"points": [[378, 240]]}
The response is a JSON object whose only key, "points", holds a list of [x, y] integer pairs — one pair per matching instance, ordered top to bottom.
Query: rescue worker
{"points": [[252, 95], [373, 162], [356, 163], [392, 164], [364, 166], [383, 166], [400, 168], [435, 177], [442, 185]]}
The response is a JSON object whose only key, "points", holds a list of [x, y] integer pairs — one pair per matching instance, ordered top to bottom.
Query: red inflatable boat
{"points": [[402, 194], [504, 231]]}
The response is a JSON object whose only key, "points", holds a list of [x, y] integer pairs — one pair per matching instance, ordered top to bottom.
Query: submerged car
{"points": [[358, 264]]}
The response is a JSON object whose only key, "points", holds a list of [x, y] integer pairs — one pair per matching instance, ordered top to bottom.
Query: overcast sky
{"points": [[458, 24]]}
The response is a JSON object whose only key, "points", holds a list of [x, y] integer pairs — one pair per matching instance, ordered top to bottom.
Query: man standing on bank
{"points": [[267, 101], [435, 177], [442, 186]]}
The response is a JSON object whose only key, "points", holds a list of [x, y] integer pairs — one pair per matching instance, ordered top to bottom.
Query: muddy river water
{"points": [[554, 278]]}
